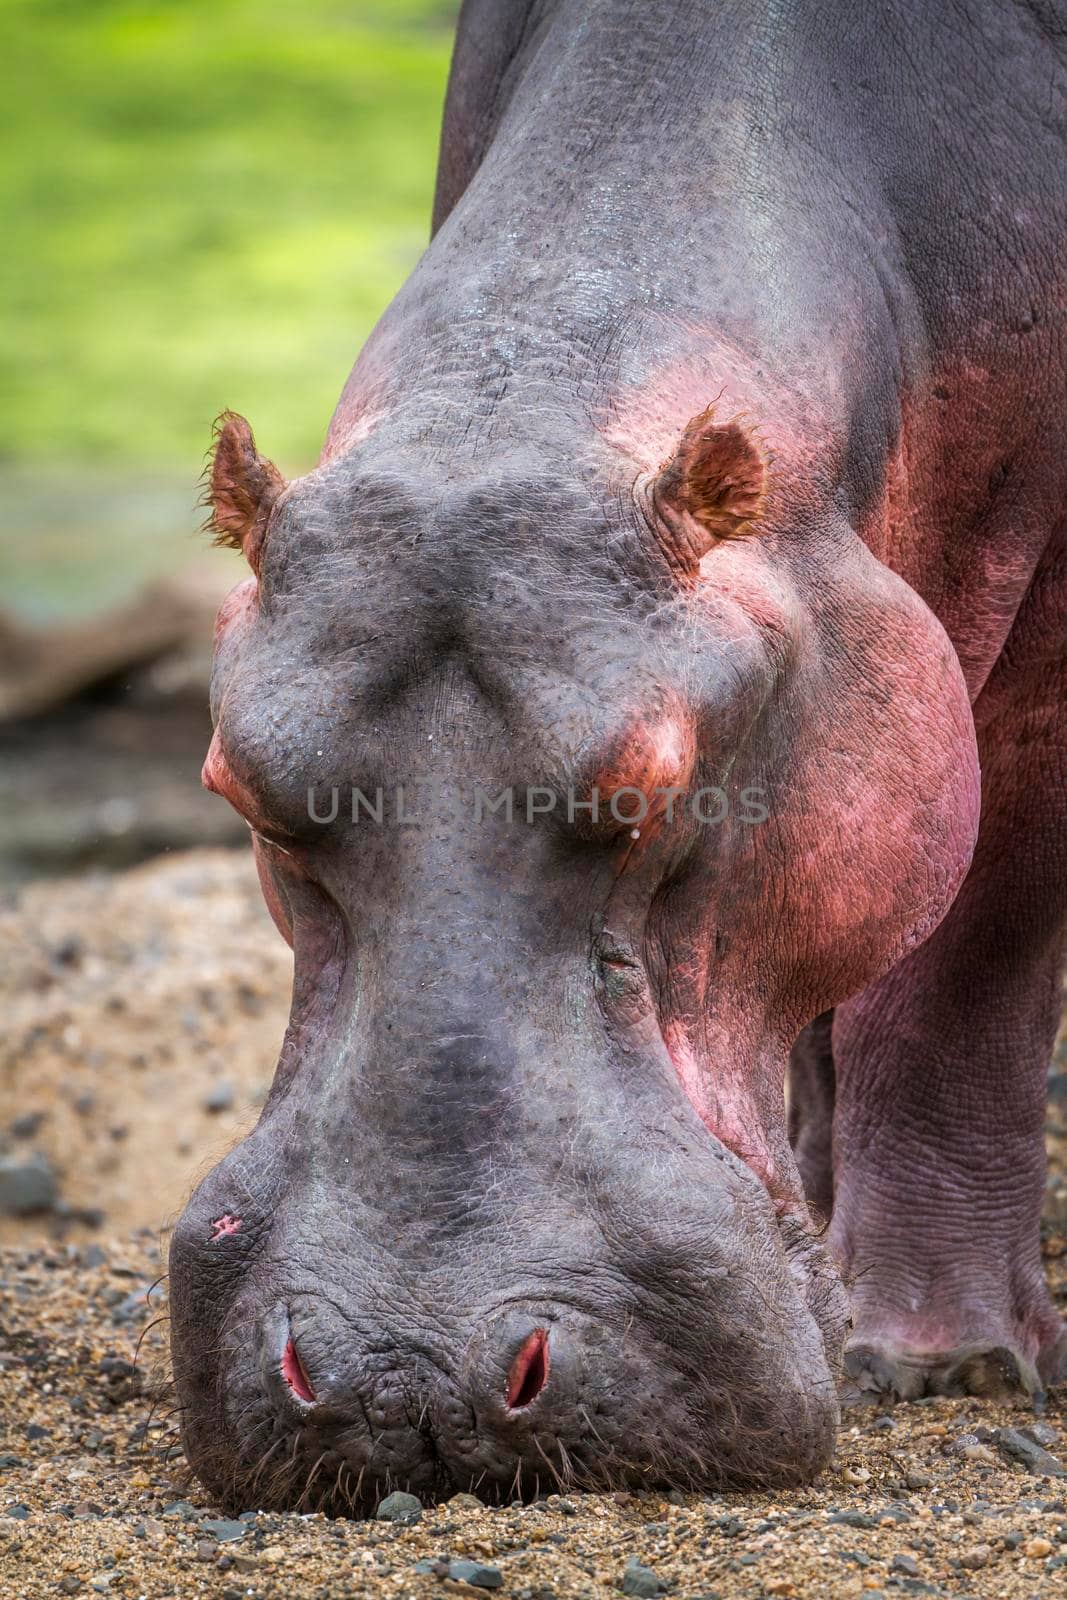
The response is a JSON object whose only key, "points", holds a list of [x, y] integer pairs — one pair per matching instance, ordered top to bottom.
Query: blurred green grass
{"points": [[206, 203]]}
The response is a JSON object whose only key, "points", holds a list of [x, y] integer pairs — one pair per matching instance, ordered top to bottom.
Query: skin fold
{"points": [[714, 446]]}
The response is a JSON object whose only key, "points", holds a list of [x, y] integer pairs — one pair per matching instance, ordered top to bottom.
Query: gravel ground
{"points": [[153, 1003], [141, 1019]]}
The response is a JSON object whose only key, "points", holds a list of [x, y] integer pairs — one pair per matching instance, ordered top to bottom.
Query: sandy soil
{"points": [[142, 1016], [140, 1019]]}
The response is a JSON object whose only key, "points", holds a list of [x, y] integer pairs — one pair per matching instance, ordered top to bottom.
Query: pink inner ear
{"points": [[244, 488], [710, 490]]}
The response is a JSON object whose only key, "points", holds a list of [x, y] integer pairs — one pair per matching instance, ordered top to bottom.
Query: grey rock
{"points": [[27, 1185], [133, 1307], [1042, 1433], [1015, 1446], [399, 1507], [183, 1509], [223, 1529], [906, 1565], [437, 1566], [474, 1573], [641, 1581]]}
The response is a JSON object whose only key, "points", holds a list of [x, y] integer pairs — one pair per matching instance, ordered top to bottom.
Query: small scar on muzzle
{"points": [[224, 1225]]}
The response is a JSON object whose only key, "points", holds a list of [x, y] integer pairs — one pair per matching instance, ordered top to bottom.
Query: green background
{"points": [[206, 204]]}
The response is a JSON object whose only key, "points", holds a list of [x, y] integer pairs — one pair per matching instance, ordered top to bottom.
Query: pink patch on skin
{"points": [[349, 427], [795, 428], [937, 478], [241, 600], [671, 748], [656, 757], [215, 773], [218, 776], [279, 911], [734, 1124], [224, 1225], [295, 1376]]}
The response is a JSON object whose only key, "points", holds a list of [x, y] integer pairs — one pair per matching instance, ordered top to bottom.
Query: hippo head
{"points": [[577, 797]]}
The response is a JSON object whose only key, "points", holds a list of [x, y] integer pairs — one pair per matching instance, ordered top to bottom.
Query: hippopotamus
{"points": [[714, 445]]}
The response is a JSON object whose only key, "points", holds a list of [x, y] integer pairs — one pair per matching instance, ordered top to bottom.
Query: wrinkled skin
{"points": [[521, 1208]]}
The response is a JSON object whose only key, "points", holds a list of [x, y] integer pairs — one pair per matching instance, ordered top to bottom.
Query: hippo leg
{"points": [[941, 1080], [811, 1113]]}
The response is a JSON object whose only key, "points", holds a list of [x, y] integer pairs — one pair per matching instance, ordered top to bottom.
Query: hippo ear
{"points": [[241, 488], [711, 489]]}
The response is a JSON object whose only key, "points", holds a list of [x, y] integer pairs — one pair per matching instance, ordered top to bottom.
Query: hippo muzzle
{"points": [[494, 1334]]}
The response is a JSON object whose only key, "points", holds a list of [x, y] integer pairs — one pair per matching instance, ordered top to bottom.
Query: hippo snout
{"points": [[322, 1368], [506, 1373], [388, 1408]]}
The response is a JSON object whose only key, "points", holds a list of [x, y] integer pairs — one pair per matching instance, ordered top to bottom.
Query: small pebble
{"points": [[220, 1097], [26, 1126], [27, 1185]]}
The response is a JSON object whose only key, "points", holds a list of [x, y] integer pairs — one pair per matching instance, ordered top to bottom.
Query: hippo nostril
{"points": [[529, 1371], [294, 1374]]}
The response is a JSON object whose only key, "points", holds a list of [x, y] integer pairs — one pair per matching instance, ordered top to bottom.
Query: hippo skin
{"points": [[716, 441]]}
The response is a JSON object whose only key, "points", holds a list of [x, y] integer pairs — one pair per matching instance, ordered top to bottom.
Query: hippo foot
{"points": [[883, 1372]]}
